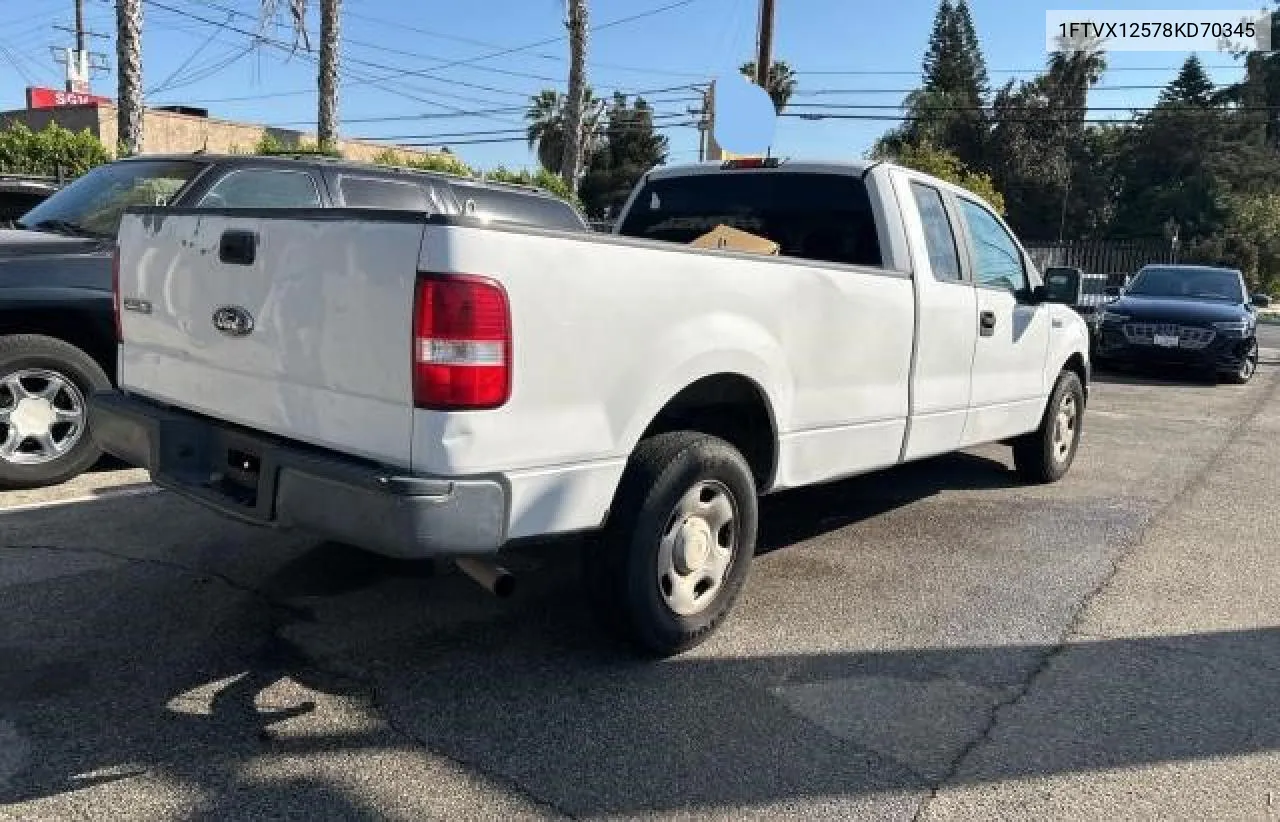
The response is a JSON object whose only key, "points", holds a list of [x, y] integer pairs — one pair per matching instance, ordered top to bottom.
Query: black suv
{"points": [[19, 193], [1194, 316], [57, 336]]}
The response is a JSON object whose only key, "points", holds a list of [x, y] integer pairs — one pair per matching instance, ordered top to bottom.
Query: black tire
{"points": [[29, 353], [1248, 366], [1039, 456], [621, 569]]}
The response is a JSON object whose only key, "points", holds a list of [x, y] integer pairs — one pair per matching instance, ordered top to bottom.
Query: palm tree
{"points": [[1074, 68], [327, 76], [781, 85], [129, 91], [575, 107], [546, 118], [546, 128]]}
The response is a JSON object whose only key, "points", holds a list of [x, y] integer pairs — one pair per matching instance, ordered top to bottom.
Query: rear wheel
{"points": [[1247, 368], [44, 422], [1045, 454], [678, 545]]}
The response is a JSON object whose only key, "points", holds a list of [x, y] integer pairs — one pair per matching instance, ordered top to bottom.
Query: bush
{"points": [[50, 152], [444, 163], [449, 164], [944, 165], [541, 178]]}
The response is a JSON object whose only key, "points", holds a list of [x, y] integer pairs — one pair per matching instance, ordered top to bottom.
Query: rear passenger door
{"points": [[945, 334]]}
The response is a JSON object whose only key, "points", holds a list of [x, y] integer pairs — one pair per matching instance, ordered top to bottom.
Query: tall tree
{"points": [[129, 60], [975, 65], [327, 69], [781, 82], [1192, 86], [575, 108], [948, 110], [629, 147]]}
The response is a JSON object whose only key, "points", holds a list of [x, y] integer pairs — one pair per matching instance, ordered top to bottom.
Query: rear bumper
{"points": [[1224, 353], [266, 481]]}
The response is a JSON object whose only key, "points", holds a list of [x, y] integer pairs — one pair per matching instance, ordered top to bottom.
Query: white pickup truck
{"points": [[427, 386]]}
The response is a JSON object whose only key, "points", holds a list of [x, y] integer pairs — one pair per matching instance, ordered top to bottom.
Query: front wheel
{"points": [[1247, 368], [44, 423], [1045, 454], [678, 545]]}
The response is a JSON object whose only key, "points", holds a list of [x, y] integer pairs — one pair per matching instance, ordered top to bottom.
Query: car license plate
{"points": [[1165, 341]]}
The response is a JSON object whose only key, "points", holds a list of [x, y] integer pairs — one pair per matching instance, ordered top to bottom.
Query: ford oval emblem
{"points": [[233, 321]]}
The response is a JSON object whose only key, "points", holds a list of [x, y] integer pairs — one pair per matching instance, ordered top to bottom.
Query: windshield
{"points": [[94, 203], [815, 216], [1189, 283]]}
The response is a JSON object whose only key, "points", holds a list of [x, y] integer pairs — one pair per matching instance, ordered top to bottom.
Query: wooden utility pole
{"points": [[80, 26], [764, 57]]}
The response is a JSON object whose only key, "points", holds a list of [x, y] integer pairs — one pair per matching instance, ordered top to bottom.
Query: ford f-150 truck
{"points": [[436, 386]]}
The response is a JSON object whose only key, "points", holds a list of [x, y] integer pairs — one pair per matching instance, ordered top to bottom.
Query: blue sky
{"points": [[850, 52]]}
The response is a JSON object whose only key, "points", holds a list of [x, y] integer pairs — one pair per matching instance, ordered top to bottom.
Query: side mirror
{"points": [[1062, 285], [1111, 291], [1261, 300]]}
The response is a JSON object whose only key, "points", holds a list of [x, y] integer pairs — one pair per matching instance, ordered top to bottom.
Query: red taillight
{"points": [[750, 162], [115, 292], [461, 343]]}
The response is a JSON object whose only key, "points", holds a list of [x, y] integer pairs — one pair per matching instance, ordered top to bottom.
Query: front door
{"points": [[1008, 388]]}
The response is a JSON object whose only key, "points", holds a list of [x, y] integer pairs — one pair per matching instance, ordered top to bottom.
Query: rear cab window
{"points": [[263, 188], [361, 191], [508, 206], [818, 216], [939, 235]]}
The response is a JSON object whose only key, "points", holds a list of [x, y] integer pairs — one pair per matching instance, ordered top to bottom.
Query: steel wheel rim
{"points": [[42, 416], [1064, 427], [697, 547]]}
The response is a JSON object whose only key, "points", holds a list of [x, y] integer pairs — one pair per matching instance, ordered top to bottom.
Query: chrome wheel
{"points": [[42, 416], [1064, 427], [697, 548]]}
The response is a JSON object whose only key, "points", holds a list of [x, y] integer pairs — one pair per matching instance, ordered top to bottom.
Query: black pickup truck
{"points": [[57, 329]]}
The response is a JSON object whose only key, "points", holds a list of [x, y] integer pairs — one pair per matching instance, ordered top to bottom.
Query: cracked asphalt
{"points": [[932, 642]]}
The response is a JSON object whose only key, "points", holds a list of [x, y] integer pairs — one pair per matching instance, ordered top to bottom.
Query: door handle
{"points": [[238, 247], [987, 323]]}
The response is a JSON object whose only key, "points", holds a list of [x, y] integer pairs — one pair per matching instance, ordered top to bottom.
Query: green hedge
{"points": [[50, 152]]}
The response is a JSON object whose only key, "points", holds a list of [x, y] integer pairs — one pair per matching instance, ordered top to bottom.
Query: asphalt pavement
{"points": [[932, 642]]}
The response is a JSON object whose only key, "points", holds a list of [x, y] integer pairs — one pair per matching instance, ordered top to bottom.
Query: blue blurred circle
{"points": [[745, 119]]}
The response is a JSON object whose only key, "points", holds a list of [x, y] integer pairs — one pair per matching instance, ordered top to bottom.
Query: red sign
{"points": [[52, 98]]}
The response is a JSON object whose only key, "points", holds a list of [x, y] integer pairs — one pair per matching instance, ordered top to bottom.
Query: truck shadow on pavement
{"points": [[140, 670]]}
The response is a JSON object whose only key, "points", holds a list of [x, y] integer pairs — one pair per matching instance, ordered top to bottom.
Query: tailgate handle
{"points": [[238, 247]]}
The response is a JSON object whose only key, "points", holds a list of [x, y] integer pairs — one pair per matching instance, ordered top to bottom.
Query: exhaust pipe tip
{"points": [[488, 575]]}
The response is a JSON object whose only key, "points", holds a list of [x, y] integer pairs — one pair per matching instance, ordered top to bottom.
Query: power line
{"points": [[489, 45], [401, 72], [916, 72], [360, 79], [168, 82], [836, 91], [993, 109], [1042, 120], [627, 127]]}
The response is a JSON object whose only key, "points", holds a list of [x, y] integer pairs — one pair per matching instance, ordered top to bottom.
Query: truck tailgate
{"points": [[295, 323]]}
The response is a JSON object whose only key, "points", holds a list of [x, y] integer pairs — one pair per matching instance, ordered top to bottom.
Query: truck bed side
{"points": [[607, 330]]}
